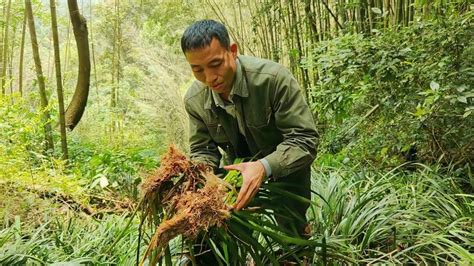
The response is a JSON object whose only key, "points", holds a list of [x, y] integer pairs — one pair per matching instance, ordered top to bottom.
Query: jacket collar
{"points": [[240, 85], [239, 88]]}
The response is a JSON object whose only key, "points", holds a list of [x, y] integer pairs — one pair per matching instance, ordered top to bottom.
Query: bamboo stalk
{"points": [[5, 47], [22, 52], [40, 77], [59, 85]]}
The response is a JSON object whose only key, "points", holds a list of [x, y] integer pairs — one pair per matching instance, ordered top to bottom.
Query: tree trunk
{"points": [[370, 5], [411, 9], [426, 9], [332, 14], [400, 14], [276, 15], [363, 17], [311, 21], [241, 27], [321, 28], [1, 40], [93, 50], [22, 52], [66, 52], [10, 64], [48, 65], [115, 67], [304, 73], [39, 74], [119, 74], [3, 76], [59, 86], [113, 97], [78, 103]]}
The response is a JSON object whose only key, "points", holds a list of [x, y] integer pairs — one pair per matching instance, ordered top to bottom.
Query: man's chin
{"points": [[218, 90]]}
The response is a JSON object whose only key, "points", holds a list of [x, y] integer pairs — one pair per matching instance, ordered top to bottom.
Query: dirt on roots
{"points": [[186, 197]]}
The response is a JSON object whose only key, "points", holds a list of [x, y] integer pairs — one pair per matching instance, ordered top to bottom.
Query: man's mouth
{"points": [[218, 86]]}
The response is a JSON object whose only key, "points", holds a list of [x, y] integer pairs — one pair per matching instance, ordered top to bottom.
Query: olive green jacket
{"points": [[279, 125]]}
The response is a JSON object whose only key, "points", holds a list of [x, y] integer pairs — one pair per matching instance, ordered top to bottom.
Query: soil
{"points": [[190, 195]]}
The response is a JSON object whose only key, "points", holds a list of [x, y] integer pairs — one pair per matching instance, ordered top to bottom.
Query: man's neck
{"points": [[225, 96]]}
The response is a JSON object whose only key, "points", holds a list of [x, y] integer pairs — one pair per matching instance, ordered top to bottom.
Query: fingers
{"points": [[233, 167], [253, 174], [246, 194], [242, 195], [244, 201]]}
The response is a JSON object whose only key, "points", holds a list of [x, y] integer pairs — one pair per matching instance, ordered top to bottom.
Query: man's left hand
{"points": [[253, 174]]}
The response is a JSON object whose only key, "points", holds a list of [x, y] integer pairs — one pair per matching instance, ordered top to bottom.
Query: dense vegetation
{"points": [[390, 88], [398, 93]]}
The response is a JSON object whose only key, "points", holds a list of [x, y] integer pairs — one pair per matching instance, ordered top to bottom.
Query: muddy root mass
{"points": [[192, 197]]}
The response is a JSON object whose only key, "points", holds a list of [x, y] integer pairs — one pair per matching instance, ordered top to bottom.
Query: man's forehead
{"points": [[214, 44], [205, 55], [213, 61]]}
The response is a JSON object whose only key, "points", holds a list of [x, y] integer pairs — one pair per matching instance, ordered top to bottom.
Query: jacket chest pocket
{"points": [[258, 119], [214, 127], [216, 131], [264, 132]]}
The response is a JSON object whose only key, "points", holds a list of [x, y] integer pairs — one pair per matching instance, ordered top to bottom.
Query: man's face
{"points": [[214, 65]]}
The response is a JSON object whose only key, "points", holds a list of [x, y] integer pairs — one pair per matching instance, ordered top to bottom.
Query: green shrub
{"points": [[388, 98], [21, 135], [119, 169], [25, 170]]}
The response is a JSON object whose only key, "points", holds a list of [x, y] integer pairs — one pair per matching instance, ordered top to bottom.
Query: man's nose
{"points": [[211, 77]]}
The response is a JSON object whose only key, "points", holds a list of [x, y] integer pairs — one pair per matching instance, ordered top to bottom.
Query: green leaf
{"points": [[376, 10], [434, 85], [462, 99], [420, 111], [467, 113], [95, 161], [103, 181], [277, 236], [246, 237], [216, 250]]}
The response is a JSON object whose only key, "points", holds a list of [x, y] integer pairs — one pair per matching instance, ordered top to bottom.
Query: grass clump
{"points": [[397, 217], [69, 239]]}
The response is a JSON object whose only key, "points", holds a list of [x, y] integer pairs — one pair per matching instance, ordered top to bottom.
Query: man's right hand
{"points": [[253, 174]]}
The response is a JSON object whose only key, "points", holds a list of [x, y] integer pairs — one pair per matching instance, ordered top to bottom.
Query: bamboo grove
{"points": [[22, 16], [282, 30], [285, 30]]}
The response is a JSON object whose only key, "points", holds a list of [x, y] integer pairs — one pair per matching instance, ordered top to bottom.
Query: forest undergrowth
{"points": [[392, 183]]}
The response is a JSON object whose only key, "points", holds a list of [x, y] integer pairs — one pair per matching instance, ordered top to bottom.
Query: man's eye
{"points": [[216, 64], [197, 70]]}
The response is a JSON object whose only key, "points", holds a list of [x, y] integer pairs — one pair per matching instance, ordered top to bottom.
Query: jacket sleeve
{"points": [[295, 121], [202, 147]]}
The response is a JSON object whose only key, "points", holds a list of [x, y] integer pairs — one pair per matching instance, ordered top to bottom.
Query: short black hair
{"points": [[200, 34]]}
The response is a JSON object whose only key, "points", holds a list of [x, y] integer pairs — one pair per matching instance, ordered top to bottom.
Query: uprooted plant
{"points": [[185, 198]]}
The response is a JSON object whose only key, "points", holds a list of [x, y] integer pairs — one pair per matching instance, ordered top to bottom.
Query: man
{"points": [[248, 107]]}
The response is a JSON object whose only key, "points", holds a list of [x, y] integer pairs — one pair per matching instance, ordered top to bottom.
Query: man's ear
{"points": [[234, 49]]}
